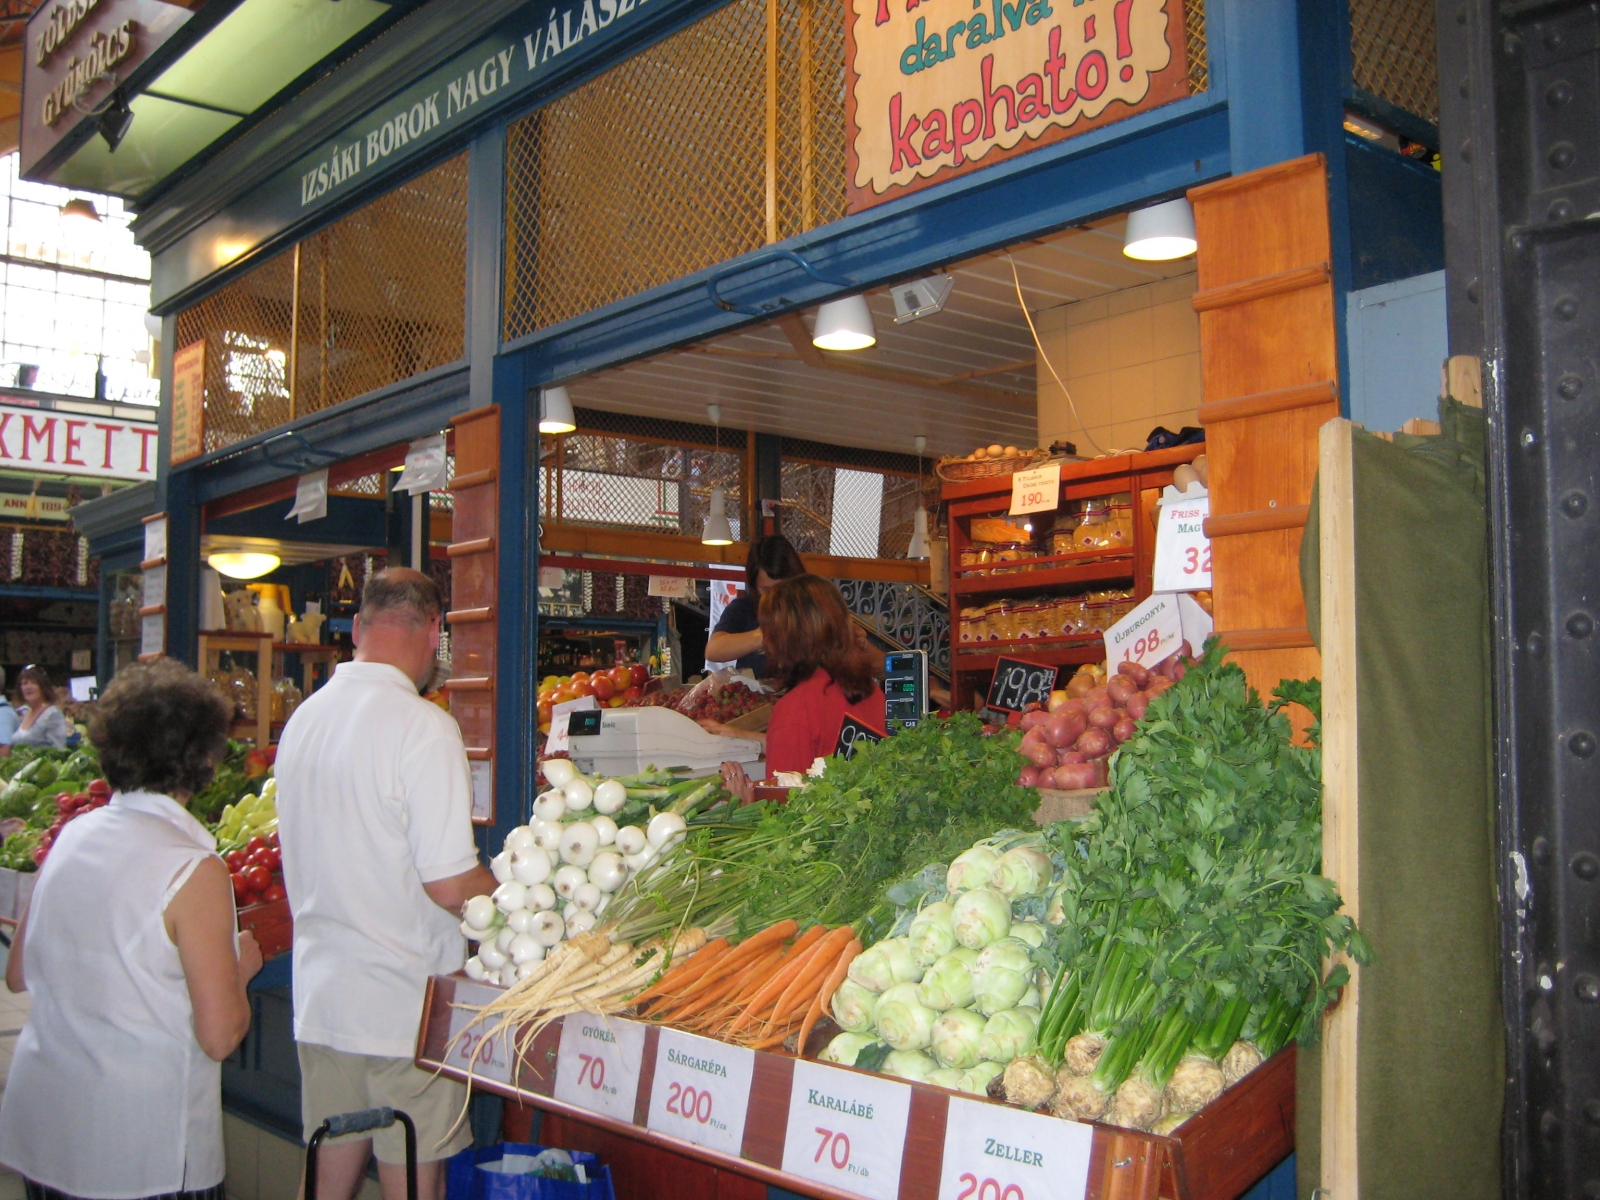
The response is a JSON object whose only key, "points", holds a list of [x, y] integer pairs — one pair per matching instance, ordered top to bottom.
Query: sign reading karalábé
{"points": [[936, 89]]}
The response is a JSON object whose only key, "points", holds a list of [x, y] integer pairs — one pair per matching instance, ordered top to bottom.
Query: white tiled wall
{"points": [[1131, 361]]}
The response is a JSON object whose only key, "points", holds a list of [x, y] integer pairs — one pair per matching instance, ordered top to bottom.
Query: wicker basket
{"points": [[960, 470]]}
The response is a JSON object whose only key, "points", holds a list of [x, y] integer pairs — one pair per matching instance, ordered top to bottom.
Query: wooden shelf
{"points": [[1120, 567], [1060, 651]]}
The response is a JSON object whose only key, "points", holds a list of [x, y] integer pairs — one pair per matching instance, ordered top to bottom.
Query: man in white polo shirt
{"points": [[375, 820]]}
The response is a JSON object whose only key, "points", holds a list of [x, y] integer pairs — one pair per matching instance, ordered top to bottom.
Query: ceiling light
{"points": [[114, 121], [79, 209], [1161, 232], [921, 297], [844, 324], [555, 411], [716, 531], [919, 535], [242, 564]]}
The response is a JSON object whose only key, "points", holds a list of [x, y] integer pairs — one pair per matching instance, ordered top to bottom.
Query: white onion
{"points": [[559, 771], [579, 795], [609, 797], [551, 806], [663, 827], [606, 828], [547, 834], [519, 838], [631, 840], [579, 841], [638, 862], [500, 865], [530, 866], [607, 871], [568, 880], [586, 896], [509, 897], [541, 897], [605, 901], [479, 912], [521, 919], [579, 920], [548, 929], [471, 934], [505, 937], [525, 948], [491, 956], [531, 967], [474, 968], [493, 977]]}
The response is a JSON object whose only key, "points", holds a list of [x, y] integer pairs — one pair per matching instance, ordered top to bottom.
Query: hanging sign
{"points": [[932, 94], [189, 402], [43, 441], [427, 469], [1038, 490], [310, 498], [1183, 551], [670, 586], [1018, 683], [597, 1065], [701, 1091], [846, 1130], [994, 1151]]}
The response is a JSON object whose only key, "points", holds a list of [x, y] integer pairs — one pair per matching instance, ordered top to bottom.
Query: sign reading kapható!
{"points": [[935, 88]]}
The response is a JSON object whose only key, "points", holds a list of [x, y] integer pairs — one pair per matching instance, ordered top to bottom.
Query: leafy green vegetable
{"points": [[17, 799], [17, 850]]}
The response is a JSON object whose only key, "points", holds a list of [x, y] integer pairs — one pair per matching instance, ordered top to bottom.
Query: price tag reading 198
{"points": [[597, 1066], [701, 1091], [846, 1130], [997, 1153]]}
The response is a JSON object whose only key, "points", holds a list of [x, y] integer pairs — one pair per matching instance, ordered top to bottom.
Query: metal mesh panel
{"points": [[1194, 36], [1394, 53], [652, 201], [381, 297], [600, 479]]}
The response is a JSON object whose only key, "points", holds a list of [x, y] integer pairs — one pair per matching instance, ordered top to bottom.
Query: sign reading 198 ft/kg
{"points": [[935, 88]]}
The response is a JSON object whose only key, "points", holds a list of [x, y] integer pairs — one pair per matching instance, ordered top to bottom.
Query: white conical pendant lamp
{"points": [[1161, 232], [844, 324], [555, 411], [716, 531], [919, 535]]}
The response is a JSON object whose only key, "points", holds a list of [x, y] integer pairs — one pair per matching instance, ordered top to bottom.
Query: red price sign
{"points": [[597, 1065], [701, 1090], [846, 1130], [996, 1153]]}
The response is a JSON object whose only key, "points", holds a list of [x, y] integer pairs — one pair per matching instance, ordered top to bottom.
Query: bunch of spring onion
{"points": [[1193, 917]]}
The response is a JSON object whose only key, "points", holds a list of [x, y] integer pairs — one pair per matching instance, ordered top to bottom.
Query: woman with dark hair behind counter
{"points": [[737, 637]]}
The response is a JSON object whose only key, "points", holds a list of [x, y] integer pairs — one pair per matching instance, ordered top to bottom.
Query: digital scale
{"points": [[905, 689], [624, 741]]}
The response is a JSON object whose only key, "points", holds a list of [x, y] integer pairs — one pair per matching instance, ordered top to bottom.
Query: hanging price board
{"points": [[1038, 490], [1183, 552], [1017, 683], [854, 733], [470, 1046], [597, 1065], [701, 1091], [846, 1130], [997, 1153]]}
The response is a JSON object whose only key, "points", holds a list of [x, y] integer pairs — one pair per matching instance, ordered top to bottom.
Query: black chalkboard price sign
{"points": [[1018, 683], [853, 734]]}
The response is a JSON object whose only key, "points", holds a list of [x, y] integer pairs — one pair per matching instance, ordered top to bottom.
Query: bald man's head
{"points": [[400, 594]]}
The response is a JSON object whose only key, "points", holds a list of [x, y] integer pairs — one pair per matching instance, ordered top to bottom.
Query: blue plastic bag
{"points": [[475, 1175]]}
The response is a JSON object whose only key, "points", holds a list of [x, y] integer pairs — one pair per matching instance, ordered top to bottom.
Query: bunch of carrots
{"points": [[758, 992]]}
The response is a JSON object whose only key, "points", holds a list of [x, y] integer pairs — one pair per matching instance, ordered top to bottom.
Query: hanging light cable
{"points": [[919, 519], [716, 531]]}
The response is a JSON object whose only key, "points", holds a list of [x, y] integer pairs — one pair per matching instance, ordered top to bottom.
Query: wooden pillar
{"points": [[1269, 356], [474, 573]]}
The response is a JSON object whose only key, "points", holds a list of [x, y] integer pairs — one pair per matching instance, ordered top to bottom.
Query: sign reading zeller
{"points": [[935, 88]]}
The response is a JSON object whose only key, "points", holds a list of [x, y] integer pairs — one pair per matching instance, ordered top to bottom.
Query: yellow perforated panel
{"points": [[1394, 54]]}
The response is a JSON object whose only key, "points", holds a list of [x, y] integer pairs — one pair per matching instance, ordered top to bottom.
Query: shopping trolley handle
{"points": [[360, 1122]]}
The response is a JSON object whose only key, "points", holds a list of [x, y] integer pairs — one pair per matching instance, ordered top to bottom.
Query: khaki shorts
{"points": [[334, 1082]]}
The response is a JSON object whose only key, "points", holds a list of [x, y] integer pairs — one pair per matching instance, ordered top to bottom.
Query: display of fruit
{"points": [[611, 687], [712, 699], [68, 806], [256, 869]]}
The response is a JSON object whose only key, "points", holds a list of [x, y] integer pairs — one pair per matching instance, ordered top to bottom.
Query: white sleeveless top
{"points": [[110, 1094]]}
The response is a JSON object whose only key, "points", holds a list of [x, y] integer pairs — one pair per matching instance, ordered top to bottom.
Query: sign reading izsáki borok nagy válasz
{"points": [[935, 88]]}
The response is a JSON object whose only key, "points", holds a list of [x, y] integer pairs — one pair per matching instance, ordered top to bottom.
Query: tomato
{"points": [[640, 674], [579, 677], [581, 687], [602, 688], [562, 694], [634, 694], [617, 701], [544, 711], [99, 788], [255, 844], [271, 858], [236, 860], [258, 877], [241, 887], [275, 892]]}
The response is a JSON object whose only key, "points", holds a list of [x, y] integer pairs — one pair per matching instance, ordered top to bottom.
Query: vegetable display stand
{"points": [[1028, 594], [212, 647], [272, 925], [659, 1095]]}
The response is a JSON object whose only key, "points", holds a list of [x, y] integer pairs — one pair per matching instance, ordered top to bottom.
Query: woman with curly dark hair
{"points": [[128, 946]]}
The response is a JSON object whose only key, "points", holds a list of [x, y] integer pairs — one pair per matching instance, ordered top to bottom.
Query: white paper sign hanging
{"points": [[425, 466], [1038, 490], [310, 498], [155, 539], [1183, 552], [552, 577], [670, 586], [482, 789], [597, 1066], [701, 1091], [847, 1130], [994, 1151]]}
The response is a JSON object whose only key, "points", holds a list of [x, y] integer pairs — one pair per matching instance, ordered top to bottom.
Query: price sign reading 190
{"points": [[1038, 490], [701, 1091], [996, 1153]]}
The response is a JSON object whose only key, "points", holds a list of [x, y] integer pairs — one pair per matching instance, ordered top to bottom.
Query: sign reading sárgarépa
{"points": [[935, 88]]}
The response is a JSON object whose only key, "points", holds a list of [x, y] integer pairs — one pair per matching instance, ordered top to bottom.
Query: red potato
{"points": [[1179, 670], [1139, 675], [1157, 685], [1119, 688], [1096, 698], [1138, 705], [1104, 717], [1014, 720], [1032, 720], [1063, 728], [1124, 729], [1031, 738], [1093, 743], [1040, 755], [1066, 758], [1075, 776], [1102, 776], [1028, 777]]}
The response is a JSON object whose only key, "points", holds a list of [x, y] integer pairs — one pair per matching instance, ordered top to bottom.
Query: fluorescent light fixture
{"points": [[80, 209], [1161, 232], [921, 297], [844, 324], [555, 411], [716, 531], [919, 535], [242, 564]]}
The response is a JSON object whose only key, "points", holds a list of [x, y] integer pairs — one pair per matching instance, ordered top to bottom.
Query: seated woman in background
{"points": [[39, 721]]}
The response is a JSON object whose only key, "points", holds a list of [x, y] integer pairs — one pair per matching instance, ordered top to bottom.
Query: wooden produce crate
{"points": [[272, 925], [671, 1094]]}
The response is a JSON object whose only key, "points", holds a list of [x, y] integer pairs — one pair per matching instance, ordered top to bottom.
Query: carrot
{"points": [[735, 960], [697, 964], [815, 969], [774, 985], [829, 986], [707, 998]]}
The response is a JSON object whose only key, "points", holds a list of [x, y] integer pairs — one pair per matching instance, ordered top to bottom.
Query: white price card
{"points": [[1038, 490], [155, 538], [1183, 552], [670, 586], [1157, 628], [557, 741], [474, 1047], [597, 1066], [701, 1091], [846, 1130], [993, 1152]]}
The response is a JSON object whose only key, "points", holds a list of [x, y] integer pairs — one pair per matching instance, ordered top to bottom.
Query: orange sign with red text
{"points": [[935, 88]]}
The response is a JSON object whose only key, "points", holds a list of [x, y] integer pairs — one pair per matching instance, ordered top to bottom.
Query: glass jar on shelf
{"points": [[1094, 525]]}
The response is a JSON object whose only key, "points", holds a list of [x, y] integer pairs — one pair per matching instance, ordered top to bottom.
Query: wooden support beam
{"points": [[1246, 290], [1289, 516]]}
